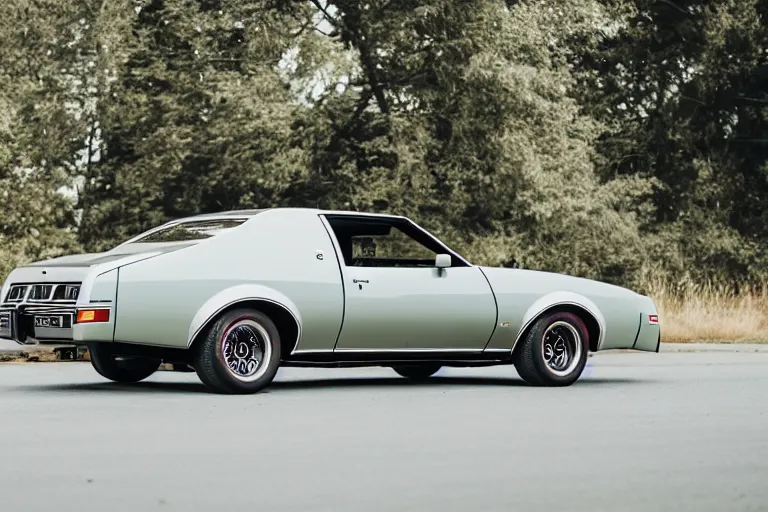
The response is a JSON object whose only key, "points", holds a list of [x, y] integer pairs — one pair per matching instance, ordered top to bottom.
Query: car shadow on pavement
{"points": [[432, 382], [305, 385], [116, 387]]}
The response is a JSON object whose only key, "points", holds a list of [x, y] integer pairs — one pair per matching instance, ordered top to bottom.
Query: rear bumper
{"points": [[33, 324], [5, 326], [648, 338]]}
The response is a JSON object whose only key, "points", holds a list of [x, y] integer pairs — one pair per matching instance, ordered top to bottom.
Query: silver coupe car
{"points": [[235, 295]]}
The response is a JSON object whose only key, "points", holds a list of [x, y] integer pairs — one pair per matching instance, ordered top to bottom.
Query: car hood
{"points": [[508, 279]]}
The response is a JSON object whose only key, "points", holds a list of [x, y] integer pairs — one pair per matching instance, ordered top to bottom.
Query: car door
{"points": [[395, 296]]}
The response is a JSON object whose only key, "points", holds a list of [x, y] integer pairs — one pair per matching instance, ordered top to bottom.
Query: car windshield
{"points": [[189, 231]]}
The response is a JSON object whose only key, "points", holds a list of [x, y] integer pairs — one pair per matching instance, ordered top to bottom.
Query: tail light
{"points": [[85, 316], [653, 319]]}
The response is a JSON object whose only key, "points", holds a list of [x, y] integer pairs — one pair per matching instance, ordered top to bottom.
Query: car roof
{"points": [[254, 212], [230, 213]]}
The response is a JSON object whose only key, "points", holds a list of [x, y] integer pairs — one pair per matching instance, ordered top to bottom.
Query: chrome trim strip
{"points": [[51, 301], [39, 308], [47, 310], [398, 350], [408, 350]]}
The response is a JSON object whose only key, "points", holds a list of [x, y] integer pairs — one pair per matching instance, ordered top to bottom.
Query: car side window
{"points": [[379, 243], [393, 249]]}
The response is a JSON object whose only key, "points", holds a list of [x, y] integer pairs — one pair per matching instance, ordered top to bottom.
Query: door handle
{"points": [[360, 281]]}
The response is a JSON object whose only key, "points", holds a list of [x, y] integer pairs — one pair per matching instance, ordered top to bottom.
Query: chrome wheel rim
{"points": [[561, 347], [245, 350]]}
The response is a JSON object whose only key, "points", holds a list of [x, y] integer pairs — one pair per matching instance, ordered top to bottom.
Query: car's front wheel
{"points": [[555, 351], [240, 353], [114, 366], [417, 371]]}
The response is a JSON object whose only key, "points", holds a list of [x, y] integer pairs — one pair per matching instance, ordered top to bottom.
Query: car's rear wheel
{"points": [[555, 351], [239, 353], [114, 366], [417, 371]]}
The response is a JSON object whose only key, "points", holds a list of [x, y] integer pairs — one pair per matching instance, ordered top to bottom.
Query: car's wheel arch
{"points": [[569, 302], [279, 308]]}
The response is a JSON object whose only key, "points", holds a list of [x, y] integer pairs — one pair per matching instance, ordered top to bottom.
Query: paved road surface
{"points": [[640, 432]]}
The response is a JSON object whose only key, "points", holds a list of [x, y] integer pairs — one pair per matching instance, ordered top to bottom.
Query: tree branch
{"points": [[675, 6], [325, 12], [369, 66]]}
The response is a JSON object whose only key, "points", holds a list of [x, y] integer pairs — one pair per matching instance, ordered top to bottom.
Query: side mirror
{"points": [[443, 260]]}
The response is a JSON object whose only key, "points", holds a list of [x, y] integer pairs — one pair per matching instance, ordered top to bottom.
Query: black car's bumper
{"points": [[33, 324]]}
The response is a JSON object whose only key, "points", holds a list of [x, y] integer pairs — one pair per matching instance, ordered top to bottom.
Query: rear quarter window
{"points": [[190, 231]]}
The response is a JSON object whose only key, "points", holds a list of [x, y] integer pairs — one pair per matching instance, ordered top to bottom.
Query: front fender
{"points": [[233, 295], [561, 298]]}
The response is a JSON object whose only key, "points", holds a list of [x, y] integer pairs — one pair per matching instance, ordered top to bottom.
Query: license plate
{"points": [[49, 321]]}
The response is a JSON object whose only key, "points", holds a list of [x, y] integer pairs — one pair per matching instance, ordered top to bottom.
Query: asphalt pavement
{"points": [[640, 432]]}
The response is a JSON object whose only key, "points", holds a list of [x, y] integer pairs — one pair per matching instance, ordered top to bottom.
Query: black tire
{"points": [[563, 330], [110, 364], [254, 370], [417, 371]]}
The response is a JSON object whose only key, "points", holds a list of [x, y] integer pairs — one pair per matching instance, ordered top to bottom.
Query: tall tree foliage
{"points": [[681, 86], [197, 118], [462, 118], [40, 135], [599, 138]]}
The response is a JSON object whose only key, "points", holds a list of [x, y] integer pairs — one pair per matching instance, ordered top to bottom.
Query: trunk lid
{"points": [[97, 258], [75, 268]]}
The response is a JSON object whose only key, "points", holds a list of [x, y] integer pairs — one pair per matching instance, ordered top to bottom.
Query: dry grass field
{"points": [[701, 313]]}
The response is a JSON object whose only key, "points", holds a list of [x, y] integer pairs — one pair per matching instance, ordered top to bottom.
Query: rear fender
{"points": [[99, 291], [233, 295], [561, 298]]}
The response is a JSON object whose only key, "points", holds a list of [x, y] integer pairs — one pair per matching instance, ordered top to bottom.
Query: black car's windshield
{"points": [[189, 231]]}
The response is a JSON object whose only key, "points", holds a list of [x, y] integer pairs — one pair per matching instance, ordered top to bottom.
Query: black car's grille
{"points": [[40, 292], [65, 292], [16, 293], [5, 322]]}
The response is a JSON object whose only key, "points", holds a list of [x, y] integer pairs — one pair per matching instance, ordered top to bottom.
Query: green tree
{"points": [[680, 87], [460, 116], [197, 118], [40, 131]]}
